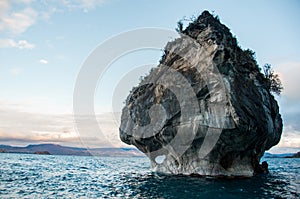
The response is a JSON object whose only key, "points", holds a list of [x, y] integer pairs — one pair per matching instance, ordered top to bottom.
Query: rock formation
{"points": [[205, 109]]}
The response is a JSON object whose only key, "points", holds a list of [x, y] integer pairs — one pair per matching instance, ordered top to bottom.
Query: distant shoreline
{"points": [[54, 149], [105, 156]]}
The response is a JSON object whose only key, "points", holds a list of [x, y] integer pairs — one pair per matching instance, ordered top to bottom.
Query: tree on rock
{"points": [[273, 80]]}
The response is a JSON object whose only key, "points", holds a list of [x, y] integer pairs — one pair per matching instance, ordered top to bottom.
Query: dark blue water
{"points": [[38, 176]]}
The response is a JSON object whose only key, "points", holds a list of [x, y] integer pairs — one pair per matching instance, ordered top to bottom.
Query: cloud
{"points": [[25, 1], [90, 4], [84, 5], [4, 7], [16, 16], [17, 22], [21, 44], [43, 61], [15, 71], [289, 74], [289, 103], [28, 121], [19, 125], [290, 137]]}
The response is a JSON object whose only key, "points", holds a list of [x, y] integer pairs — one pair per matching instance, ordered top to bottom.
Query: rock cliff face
{"points": [[205, 109]]}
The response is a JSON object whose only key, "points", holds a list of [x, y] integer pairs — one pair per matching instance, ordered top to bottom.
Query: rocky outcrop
{"points": [[205, 109], [42, 153]]}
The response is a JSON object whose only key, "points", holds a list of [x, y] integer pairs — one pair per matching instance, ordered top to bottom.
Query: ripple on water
{"points": [[38, 176]]}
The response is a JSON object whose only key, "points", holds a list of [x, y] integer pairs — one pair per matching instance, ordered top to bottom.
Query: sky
{"points": [[44, 45]]}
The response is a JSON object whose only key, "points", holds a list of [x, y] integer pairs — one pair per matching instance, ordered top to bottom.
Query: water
{"points": [[39, 176]]}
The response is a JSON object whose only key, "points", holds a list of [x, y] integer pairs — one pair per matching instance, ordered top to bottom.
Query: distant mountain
{"points": [[55, 149], [283, 155], [296, 155]]}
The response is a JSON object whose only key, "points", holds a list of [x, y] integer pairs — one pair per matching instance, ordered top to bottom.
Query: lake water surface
{"points": [[41, 176]]}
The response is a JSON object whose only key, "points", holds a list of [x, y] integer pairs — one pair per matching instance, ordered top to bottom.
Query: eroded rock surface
{"points": [[205, 109]]}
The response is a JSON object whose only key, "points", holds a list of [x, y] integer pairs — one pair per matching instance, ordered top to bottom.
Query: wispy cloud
{"points": [[25, 1], [84, 5], [4, 7], [16, 16], [16, 22], [21, 44], [43, 61], [15, 71], [290, 73], [290, 103], [20, 125], [28, 127], [290, 137]]}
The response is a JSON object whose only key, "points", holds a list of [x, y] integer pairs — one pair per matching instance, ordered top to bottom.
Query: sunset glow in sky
{"points": [[43, 44]]}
